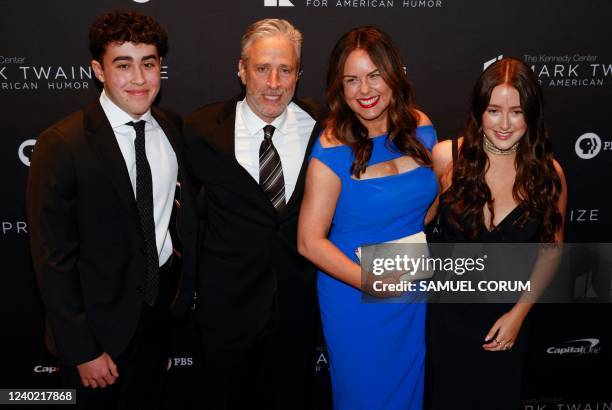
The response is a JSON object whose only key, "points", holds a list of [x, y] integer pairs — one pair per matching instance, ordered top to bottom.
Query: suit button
{"points": [[140, 289]]}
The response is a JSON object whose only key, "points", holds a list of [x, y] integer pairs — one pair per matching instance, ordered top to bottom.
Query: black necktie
{"points": [[271, 170], [144, 201]]}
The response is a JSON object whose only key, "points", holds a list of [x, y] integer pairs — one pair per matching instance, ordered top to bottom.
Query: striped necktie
{"points": [[271, 170]]}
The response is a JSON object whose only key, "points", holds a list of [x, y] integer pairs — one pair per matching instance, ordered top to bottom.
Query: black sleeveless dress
{"points": [[460, 374]]}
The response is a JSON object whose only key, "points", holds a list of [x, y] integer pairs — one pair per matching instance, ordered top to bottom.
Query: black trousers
{"points": [[141, 366], [275, 371], [268, 375]]}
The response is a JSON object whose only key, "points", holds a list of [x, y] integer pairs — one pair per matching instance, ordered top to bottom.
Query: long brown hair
{"points": [[402, 118], [537, 185]]}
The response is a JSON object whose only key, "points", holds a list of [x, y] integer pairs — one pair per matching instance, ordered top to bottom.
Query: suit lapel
{"points": [[312, 108], [166, 125], [171, 131], [223, 134], [102, 139], [224, 140], [296, 196]]}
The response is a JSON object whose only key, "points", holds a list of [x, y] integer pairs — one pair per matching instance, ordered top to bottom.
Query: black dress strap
{"points": [[455, 149]]}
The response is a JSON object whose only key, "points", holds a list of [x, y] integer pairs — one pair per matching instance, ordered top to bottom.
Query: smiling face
{"points": [[269, 73], [131, 76], [365, 92], [503, 122]]}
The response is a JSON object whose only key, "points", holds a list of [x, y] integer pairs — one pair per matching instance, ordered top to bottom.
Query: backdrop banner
{"points": [[45, 75]]}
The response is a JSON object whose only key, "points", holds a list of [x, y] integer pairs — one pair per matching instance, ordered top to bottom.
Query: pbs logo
{"points": [[588, 145], [25, 151], [174, 362]]}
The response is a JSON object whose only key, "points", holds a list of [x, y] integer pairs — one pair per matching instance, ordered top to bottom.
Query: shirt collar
{"points": [[116, 116], [254, 124]]}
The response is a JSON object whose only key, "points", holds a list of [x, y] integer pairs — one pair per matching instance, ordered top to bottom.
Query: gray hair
{"points": [[268, 28]]}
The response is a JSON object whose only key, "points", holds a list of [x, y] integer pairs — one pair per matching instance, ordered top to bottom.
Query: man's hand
{"points": [[99, 372]]}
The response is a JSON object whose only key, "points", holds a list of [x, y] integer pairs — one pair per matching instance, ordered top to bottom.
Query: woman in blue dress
{"points": [[369, 181]]}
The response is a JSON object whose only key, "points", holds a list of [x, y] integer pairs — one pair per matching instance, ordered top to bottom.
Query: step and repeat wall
{"points": [[45, 75]]}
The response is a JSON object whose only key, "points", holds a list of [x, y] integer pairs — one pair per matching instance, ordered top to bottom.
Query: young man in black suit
{"points": [[112, 225], [256, 294]]}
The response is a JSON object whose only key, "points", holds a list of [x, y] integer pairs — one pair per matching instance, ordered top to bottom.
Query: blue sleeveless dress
{"points": [[376, 350]]}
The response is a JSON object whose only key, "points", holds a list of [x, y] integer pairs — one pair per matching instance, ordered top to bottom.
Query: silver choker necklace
{"points": [[490, 148]]}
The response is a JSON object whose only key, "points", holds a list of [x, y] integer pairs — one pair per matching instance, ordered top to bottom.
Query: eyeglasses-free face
{"points": [[270, 75], [131, 76], [366, 92], [503, 122]]}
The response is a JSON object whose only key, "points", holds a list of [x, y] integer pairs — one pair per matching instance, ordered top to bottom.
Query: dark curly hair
{"points": [[125, 25], [402, 117], [537, 185]]}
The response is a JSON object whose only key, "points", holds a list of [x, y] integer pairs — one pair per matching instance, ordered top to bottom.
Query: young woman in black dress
{"points": [[498, 183]]}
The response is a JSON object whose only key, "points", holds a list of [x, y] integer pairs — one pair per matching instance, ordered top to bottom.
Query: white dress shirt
{"points": [[290, 138], [162, 161]]}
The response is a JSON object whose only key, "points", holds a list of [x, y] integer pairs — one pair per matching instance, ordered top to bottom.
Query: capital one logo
{"points": [[278, 3], [488, 63], [588, 145], [25, 151], [576, 347], [46, 369]]}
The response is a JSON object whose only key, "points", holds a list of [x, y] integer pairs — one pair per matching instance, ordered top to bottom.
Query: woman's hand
{"points": [[378, 285], [502, 335]]}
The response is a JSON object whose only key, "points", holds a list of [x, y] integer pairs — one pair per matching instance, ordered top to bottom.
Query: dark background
{"points": [[445, 44]]}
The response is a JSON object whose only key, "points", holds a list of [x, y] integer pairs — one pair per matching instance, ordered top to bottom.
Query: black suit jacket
{"points": [[87, 243], [250, 271]]}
